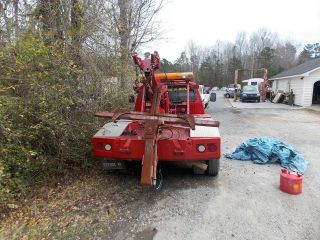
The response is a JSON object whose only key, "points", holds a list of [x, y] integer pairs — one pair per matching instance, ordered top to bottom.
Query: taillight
{"points": [[99, 145], [212, 147]]}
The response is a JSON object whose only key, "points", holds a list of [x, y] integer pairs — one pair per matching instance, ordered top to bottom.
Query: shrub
{"points": [[46, 106]]}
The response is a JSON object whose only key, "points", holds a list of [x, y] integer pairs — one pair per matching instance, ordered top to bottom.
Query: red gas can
{"points": [[290, 182]]}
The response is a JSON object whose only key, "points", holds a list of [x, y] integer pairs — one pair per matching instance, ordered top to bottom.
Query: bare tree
{"points": [[50, 15], [77, 15], [135, 22], [262, 49], [194, 52], [285, 56]]}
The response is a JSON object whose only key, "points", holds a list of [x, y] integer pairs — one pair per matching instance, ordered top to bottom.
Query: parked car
{"points": [[207, 90], [230, 92], [250, 93], [205, 96]]}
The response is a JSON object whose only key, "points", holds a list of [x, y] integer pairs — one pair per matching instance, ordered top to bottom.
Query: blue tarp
{"points": [[267, 150]]}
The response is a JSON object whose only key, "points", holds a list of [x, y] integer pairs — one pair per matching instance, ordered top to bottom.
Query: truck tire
{"points": [[213, 167]]}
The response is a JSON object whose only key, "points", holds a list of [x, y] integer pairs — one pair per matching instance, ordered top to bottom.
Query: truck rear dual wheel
{"points": [[213, 167]]}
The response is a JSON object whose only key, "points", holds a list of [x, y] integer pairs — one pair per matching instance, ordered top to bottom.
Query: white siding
{"points": [[296, 84], [282, 85], [308, 87], [297, 88]]}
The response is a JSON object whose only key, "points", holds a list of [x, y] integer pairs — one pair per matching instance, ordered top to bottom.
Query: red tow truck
{"points": [[168, 123]]}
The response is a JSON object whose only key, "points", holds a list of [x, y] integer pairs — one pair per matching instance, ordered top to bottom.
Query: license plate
{"points": [[110, 165]]}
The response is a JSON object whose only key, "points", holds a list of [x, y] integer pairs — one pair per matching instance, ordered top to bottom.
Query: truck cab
{"points": [[181, 97]]}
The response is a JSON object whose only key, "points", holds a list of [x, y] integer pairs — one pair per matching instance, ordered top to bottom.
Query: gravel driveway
{"points": [[244, 201]]}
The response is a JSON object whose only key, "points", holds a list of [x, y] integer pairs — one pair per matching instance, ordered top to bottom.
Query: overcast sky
{"points": [[206, 21]]}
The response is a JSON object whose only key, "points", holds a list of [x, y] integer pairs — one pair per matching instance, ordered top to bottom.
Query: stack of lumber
{"points": [[277, 98]]}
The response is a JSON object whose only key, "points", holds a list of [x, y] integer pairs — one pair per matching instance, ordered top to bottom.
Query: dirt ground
{"points": [[243, 202]]}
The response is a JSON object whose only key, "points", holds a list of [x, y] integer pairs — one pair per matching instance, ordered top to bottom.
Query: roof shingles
{"points": [[300, 69]]}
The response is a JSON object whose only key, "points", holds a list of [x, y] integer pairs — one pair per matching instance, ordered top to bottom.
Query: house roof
{"points": [[302, 69]]}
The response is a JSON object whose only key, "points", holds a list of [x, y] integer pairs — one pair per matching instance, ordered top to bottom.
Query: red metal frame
{"points": [[160, 130]]}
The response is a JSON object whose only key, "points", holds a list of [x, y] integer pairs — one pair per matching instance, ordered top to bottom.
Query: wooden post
{"points": [[236, 78], [264, 85]]}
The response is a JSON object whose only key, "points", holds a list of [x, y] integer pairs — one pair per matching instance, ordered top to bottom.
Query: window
{"points": [[250, 88], [179, 94]]}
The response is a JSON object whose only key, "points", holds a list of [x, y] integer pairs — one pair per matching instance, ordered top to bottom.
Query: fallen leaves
{"points": [[81, 204], [12, 206]]}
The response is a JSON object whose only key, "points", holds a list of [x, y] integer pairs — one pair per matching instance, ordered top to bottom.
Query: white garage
{"points": [[303, 80]]}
